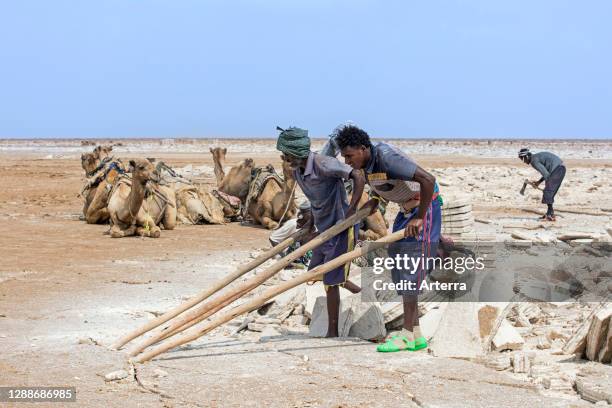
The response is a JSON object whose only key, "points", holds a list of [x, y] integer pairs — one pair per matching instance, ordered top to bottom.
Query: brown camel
{"points": [[90, 161], [97, 175], [238, 180], [274, 200], [270, 204], [131, 213], [376, 225]]}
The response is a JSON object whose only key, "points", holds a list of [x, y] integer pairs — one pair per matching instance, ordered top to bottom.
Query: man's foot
{"points": [[551, 217], [396, 343]]}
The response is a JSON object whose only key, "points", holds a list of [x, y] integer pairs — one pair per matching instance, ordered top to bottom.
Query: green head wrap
{"points": [[293, 141]]}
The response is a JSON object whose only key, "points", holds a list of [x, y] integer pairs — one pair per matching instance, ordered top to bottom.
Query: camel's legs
{"points": [[265, 210], [98, 211], [169, 219], [146, 225], [117, 232], [152, 232]]}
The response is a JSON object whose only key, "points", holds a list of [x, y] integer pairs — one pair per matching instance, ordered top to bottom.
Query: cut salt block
{"points": [[455, 202], [464, 209], [317, 290], [487, 315], [356, 319], [486, 319], [319, 321], [430, 321], [368, 322], [458, 333], [597, 334], [507, 338], [605, 355], [522, 362], [593, 391]]}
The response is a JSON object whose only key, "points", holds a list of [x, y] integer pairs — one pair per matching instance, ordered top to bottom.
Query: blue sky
{"points": [[472, 68]]}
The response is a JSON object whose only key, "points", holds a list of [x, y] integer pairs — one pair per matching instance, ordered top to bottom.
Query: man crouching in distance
{"points": [[395, 177], [321, 178]]}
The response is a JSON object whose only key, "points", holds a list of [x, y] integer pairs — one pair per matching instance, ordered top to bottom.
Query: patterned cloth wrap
{"points": [[105, 167]]}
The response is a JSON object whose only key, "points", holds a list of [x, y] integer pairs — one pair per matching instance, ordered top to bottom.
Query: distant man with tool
{"points": [[552, 169]]}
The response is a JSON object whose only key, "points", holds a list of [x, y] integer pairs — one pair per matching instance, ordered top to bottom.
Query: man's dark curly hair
{"points": [[352, 136]]}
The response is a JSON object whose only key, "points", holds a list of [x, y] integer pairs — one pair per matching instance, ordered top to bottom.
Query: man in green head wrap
{"points": [[294, 142], [321, 178]]}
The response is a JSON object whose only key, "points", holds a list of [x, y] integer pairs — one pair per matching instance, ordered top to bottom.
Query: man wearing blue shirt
{"points": [[322, 178]]}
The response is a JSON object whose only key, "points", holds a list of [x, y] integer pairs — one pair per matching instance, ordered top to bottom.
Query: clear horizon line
{"points": [[318, 137]]}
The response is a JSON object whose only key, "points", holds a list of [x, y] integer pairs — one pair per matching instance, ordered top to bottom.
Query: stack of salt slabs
{"points": [[457, 217], [458, 224]]}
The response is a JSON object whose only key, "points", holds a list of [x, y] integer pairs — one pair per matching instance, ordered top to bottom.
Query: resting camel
{"points": [[90, 161], [100, 174], [238, 180], [273, 200], [194, 204], [270, 204], [131, 213], [376, 225]]}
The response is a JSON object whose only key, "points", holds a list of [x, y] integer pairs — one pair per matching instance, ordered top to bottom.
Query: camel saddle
{"points": [[260, 176]]}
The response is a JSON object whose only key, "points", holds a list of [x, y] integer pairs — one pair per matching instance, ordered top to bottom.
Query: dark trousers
{"points": [[552, 185]]}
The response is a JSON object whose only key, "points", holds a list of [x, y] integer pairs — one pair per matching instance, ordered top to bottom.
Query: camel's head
{"points": [[104, 151], [218, 153], [89, 162], [246, 164], [144, 170], [287, 170]]}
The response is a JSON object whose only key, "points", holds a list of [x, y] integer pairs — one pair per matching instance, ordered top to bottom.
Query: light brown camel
{"points": [[91, 163], [238, 180], [271, 204], [131, 213], [376, 225]]}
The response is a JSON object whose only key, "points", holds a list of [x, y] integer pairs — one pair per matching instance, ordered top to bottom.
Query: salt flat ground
{"points": [[67, 290]]}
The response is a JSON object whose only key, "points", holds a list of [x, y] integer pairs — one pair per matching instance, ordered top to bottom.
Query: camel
{"points": [[90, 161], [99, 172], [237, 181], [275, 201], [271, 202], [194, 204], [131, 213], [376, 226]]}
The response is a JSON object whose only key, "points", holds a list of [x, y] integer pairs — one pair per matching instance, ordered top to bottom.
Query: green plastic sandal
{"points": [[420, 343], [390, 347]]}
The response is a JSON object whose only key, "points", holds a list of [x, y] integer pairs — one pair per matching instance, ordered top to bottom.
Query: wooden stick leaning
{"points": [[259, 279], [254, 282], [209, 291], [270, 293], [196, 315]]}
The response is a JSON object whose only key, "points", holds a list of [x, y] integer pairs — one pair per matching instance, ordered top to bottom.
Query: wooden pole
{"points": [[257, 280], [209, 291], [270, 293], [176, 327]]}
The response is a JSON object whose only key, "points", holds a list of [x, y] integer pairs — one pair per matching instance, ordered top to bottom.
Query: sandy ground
{"points": [[67, 290]]}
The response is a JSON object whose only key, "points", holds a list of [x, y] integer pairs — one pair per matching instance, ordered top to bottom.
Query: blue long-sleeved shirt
{"points": [[545, 163]]}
